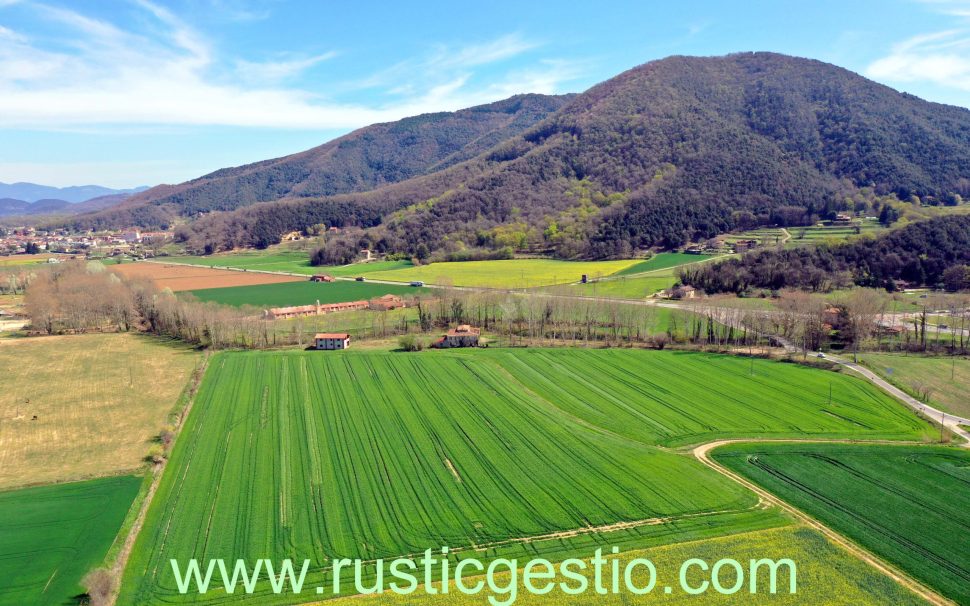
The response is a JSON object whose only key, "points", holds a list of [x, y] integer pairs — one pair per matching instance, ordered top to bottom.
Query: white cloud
{"points": [[942, 58], [274, 71], [171, 74]]}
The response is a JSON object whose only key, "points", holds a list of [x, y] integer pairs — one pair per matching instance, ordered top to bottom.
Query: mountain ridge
{"points": [[672, 150], [32, 192]]}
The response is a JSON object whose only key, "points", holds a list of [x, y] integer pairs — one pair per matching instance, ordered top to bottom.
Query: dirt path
{"points": [[701, 453], [118, 568]]}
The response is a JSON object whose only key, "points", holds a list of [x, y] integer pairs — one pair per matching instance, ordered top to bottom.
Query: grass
{"points": [[18, 260], [283, 260], [662, 261], [513, 273], [634, 287], [301, 293], [909, 371], [677, 398], [99, 400], [375, 454], [906, 504], [51, 536], [825, 575]]}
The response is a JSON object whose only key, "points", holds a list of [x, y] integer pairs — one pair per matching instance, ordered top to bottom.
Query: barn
{"points": [[331, 340]]}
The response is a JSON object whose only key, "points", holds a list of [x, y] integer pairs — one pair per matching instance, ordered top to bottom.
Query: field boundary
{"points": [[701, 454], [121, 560]]}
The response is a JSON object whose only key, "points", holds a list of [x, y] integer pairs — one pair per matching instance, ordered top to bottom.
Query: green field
{"points": [[816, 234], [282, 260], [662, 261], [513, 273], [638, 281], [633, 287], [301, 293], [948, 378], [676, 398], [375, 454], [909, 505], [51, 536], [826, 575]]}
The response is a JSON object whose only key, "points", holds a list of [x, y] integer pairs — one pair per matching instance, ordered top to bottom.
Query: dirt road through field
{"points": [[701, 453]]}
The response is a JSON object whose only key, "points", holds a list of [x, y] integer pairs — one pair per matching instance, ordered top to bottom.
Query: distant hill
{"points": [[677, 149], [31, 192], [10, 207]]}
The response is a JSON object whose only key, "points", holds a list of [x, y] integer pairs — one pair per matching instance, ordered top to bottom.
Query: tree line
{"points": [[929, 253]]}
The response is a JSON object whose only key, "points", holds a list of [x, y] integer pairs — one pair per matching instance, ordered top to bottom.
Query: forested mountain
{"points": [[673, 150], [360, 161], [10, 207], [930, 253]]}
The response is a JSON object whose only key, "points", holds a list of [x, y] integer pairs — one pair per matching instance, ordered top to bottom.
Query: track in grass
{"points": [[302, 293], [907, 504], [51, 536]]}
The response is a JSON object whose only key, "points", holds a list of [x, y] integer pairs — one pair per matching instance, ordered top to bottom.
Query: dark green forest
{"points": [[929, 253]]}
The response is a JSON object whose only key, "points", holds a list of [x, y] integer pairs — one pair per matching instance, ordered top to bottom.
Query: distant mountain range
{"points": [[673, 150], [32, 192], [29, 199]]}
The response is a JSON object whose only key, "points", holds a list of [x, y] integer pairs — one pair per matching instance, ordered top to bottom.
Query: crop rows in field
{"points": [[301, 293], [674, 398], [366, 455], [378, 455], [908, 504], [51, 536]]}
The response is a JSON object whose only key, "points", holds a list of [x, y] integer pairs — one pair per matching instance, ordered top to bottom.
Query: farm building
{"points": [[741, 246], [322, 278], [679, 292], [387, 302], [280, 313], [463, 336], [331, 340]]}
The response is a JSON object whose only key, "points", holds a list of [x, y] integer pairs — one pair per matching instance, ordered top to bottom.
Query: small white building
{"points": [[332, 340]]}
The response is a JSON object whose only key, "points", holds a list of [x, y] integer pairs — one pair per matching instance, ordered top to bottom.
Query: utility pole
{"points": [[942, 426]]}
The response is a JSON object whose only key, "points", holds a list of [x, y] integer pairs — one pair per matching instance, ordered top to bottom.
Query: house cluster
{"points": [[22, 240], [383, 303]]}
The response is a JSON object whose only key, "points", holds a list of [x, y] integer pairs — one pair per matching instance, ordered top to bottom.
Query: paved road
{"points": [[952, 422]]}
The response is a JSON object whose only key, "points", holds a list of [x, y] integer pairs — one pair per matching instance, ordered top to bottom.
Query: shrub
{"points": [[410, 343]]}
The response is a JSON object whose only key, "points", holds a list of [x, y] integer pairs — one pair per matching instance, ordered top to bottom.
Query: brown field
{"points": [[185, 277], [99, 400]]}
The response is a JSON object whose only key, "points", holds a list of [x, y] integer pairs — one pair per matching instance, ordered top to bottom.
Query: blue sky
{"points": [[130, 92]]}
